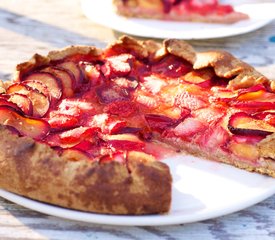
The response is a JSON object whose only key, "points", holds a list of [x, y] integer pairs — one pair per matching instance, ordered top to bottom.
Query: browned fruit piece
{"points": [[67, 79], [53, 83], [40, 102], [34, 128]]}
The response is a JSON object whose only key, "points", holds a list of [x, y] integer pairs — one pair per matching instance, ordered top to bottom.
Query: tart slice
{"points": [[180, 10], [94, 124]]}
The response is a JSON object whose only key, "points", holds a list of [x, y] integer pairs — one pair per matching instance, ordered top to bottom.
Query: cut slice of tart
{"points": [[179, 10], [94, 124]]}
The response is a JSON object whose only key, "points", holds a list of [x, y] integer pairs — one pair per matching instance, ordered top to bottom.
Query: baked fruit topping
{"points": [[95, 123]]}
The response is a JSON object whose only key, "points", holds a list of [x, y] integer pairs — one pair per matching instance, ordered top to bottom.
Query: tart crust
{"points": [[36, 171], [143, 186]]}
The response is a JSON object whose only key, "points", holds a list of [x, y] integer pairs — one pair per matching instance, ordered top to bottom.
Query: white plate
{"points": [[103, 13], [201, 190]]}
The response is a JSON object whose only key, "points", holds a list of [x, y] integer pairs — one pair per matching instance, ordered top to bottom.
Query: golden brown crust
{"points": [[38, 60], [224, 64], [35, 170]]}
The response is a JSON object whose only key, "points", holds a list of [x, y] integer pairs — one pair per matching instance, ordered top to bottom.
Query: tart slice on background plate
{"points": [[210, 11]]}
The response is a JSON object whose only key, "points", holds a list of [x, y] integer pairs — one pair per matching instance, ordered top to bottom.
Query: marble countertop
{"points": [[29, 26]]}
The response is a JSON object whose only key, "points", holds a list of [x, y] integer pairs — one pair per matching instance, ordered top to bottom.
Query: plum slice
{"points": [[171, 66], [74, 69], [202, 78], [67, 79], [53, 83], [39, 86], [109, 93], [255, 97], [22, 101], [5, 102], [40, 102], [159, 122], [243, 124], [34, 128], [246, 151]]}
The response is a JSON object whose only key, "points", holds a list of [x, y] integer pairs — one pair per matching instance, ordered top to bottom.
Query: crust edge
{"points": [[36, 171]]}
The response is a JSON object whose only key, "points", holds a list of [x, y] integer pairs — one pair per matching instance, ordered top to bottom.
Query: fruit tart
{"points": [[210, 11], [86, 128]]}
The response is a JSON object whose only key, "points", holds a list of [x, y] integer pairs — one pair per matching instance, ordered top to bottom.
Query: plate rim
{"points": [[166, 34], [266, 190]]}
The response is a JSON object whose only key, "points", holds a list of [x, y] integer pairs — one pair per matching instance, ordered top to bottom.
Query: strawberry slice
{"points": [[119, 65], [92, 73], [67, 79], [123, 82], [53, 83], [153, 84], [110, 93], [187, 100], [147, 101], [40, 102], [75, 107], [121, 108], [209, 115], [60, 121], [159, 123], [243, 124], [34, 128], [189, 128], [76, 135], [214, 137], [71, 138]]}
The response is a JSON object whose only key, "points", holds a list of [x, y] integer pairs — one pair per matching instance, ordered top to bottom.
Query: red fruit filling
{"points": [[89, 107]]}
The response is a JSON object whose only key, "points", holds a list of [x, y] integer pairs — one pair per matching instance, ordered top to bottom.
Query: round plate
{"points": [[102, 12], [202, 190]]}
